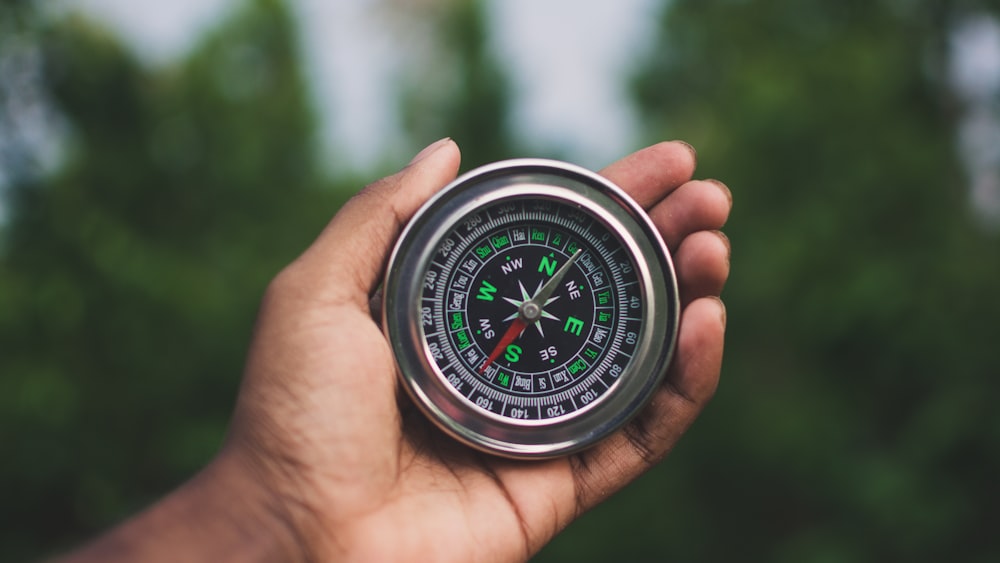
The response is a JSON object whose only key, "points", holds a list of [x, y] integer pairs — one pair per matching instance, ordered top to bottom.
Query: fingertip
{"points": [[430, 149], [443, 151], [692, 152], [678, 155], [429, 171], [650, 174], [724, 188], [715, 201], [697, 205], [724, 251], [347, 258], [702, 262], [721, 306], [706, 315], [696, 369]]}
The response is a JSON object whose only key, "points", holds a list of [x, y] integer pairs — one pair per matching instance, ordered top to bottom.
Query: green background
{"points": [[856, 417]]}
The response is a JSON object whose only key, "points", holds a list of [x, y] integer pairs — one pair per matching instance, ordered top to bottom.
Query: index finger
{"points": [[650, 174]]}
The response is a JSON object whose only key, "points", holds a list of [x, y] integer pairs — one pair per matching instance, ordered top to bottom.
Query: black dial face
{"points": [[531, 308]]}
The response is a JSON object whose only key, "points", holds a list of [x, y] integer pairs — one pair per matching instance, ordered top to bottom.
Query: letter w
{"points": [[514, 264], [486, 291]]}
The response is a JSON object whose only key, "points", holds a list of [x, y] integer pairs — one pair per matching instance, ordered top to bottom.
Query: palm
{"points": [[321, 401]]}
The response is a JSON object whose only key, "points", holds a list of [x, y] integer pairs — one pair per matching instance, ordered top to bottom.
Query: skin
{"points": [[326, 459]]}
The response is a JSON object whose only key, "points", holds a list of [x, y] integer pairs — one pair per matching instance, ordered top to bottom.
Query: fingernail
{"points": [[430, 149], [691, 149], [724, 188], [729, 245], [722, 309]]}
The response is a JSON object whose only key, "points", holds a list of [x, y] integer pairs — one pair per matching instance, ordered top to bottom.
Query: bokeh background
{"points": [[158, 165]]}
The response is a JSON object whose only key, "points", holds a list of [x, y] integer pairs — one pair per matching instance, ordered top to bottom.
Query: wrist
{"points": [[273, 506], [221, 514], [247, 520]]}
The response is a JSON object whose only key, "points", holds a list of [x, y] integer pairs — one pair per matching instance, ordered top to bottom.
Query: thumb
{"points": [[346, 260]]}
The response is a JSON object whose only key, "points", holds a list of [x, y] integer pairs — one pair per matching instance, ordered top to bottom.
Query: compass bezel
{"points": [[517, 180]]}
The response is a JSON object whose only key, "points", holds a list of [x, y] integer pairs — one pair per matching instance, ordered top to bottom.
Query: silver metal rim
{"points": [[420, 376]]}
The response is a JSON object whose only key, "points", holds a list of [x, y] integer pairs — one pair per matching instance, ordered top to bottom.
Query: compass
{"points": [[532, 308]]}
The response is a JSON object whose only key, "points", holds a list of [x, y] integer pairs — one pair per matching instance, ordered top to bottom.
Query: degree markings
{"points": [[457, 261]]}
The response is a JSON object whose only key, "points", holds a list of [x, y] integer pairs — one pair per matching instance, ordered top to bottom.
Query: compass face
{"points": [[532, 308], [587, 329]]}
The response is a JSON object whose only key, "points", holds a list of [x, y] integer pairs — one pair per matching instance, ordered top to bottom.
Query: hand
{"points": [[328, 459]]}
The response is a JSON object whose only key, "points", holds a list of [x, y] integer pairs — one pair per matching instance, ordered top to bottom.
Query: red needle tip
{"points": [[513, 331]]}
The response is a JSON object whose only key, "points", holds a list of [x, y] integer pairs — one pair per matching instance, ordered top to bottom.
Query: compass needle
{"points": [[599, 270], [524, 292], [514, 302], [513, 332]]}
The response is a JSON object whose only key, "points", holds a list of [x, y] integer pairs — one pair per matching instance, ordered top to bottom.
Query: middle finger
{"points": [[698, 205]]}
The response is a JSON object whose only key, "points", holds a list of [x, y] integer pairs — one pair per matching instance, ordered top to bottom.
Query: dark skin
{"points": [[327, 459]]}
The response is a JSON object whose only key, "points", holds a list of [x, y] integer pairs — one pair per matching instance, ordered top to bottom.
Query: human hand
{"points": [[328, 459], [367, 476]]}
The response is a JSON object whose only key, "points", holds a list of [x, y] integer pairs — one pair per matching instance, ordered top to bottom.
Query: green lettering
{"points": [[547, 266], [486, 291], [574, 325], [513, 353], [577, 366], [503, 379]]}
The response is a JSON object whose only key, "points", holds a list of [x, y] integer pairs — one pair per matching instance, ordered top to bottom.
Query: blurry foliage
{"points": [[465, 93], [130, 278], [855, 419]]}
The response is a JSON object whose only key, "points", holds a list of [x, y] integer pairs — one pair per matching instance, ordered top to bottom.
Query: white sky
{"points": [[567, 60], [975, 77]]}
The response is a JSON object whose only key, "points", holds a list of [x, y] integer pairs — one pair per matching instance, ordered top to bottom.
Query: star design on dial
{"points": [[525, 296]]}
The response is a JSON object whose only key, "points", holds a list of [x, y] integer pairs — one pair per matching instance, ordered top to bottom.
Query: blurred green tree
{"points": [[459, 90], [130, 276], [855, 420]]}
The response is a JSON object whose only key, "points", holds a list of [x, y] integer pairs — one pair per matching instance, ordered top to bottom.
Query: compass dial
{"points": [[532, 308], [586, 330]]}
